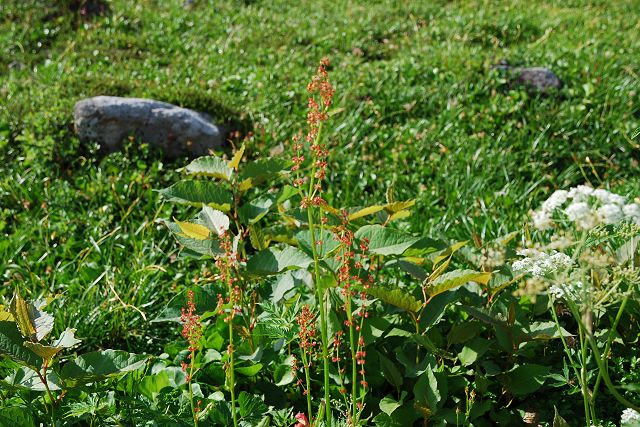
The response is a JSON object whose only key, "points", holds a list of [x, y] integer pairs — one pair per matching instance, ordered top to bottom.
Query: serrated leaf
{"points": [[235, 161], [211, 166], [199, 193], [365, 211], [214, 220], [193, 231], [256, 236], [384, 240], [274, 260], [454, 279], [396, 297], [20, 312], [11, 345], [98, 365]]}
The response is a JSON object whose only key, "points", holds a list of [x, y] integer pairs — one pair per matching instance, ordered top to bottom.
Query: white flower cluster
{"points": [[586, 207], [540, 264], [571, 291], [630, 418]]}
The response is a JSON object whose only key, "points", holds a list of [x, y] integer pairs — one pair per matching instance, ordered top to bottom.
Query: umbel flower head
{"points": [[586, 208]]}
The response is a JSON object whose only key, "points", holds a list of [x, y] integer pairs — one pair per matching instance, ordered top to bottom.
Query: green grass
{"points": [[418, 110]]}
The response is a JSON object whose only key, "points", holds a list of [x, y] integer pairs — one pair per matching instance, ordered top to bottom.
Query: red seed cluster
{"points": [[226, 264], [191, 329], [307, 335]]}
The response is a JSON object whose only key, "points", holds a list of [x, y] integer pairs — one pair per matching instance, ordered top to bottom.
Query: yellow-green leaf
{"points": [[235, 161], [245, 185], [395, 207], [365, 211], [400, 215], [193, 231], [455, 279], [397, 297], [20, 312], [5, 316], [44, 351]]}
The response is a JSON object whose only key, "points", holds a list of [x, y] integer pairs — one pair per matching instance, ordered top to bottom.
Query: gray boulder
{"points": [[109, 120]]}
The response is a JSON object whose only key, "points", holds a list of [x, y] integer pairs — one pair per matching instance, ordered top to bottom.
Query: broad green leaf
{"points": [[235, 161], [209, 166], [262, 169], [245, 185], [199, 193], [254, 210], [365, 211], [214, 220], [193, 231], [328, 239], [385, 241], [628, 250], [274, 260], [454, 279], [396, 297], [205, 298], [20, 311], [546, 331], [11, 345], [473, 350], [98, 365], [249, 371], [390, 371], [284, 374], [169, 377], [28, 378], [525, 379], [430, 389], [388, 405], [252, 408], [16, 416], [558, 421]]}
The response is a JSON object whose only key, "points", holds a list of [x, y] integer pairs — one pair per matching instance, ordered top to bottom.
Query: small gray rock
{"points": [[539, 78], [109, 120]]}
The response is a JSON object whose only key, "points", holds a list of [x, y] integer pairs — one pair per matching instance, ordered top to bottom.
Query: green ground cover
{"points": [[419, 110]]}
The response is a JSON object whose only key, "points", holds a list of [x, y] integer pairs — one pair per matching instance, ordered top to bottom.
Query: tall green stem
{"points": [[323, 318], [607, 348], [354, 365], [307, 377], [232, 379], [193, 408]]}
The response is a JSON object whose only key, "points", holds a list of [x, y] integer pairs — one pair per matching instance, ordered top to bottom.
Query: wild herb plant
{"points": [[585, 258]]}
